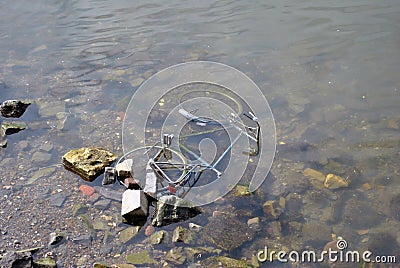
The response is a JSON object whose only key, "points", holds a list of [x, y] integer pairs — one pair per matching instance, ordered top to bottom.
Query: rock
{"points": [[13, 108], [50, 108], [66, 121], [393, 124], [12, 127], [3, 143], [46, 146], [40, 157], [89, 163], [124, 169], [43, 172], [314, 174], [109, 177], [334, 182], [86, 189], [242, 190], [109, 193], [57, 200], [102, 204], [134, 206], [173, 209], [272, 210], [254, 223], [100, 224], [194, 227], [149, 230], [227, 232], [128, 233], [181, 234], [157, 237], [55, 238], [85, 240], [194, 253], [175, 256], [142, 257], [17, 259], [222, 261], [46, 262], [100, 265], [123, 265]]}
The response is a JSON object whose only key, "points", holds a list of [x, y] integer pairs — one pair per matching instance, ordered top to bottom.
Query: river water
{"points": [[328, 69]]}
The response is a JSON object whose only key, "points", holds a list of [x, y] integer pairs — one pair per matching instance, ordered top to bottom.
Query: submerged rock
{"points": [[13, 108], [12, 127], [88, 163], [335, 182], [173, 209], [227, 232], [128, 233], [181, 234], [157, 237], [175, 256], [142, 257], [17, 259], [222, 261], [46, 262]]}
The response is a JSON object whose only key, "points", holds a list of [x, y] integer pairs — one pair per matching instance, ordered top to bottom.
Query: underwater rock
{"points": [[13, 108], [50, 108], [66, 121], [12, 127], [40, 157], [89, 162], [314, 174], [334, 182], [395, 207], [173, 209], [272, 210], [254, 223], [227, 232], [128, 233], [181, 234], [157, 237], [55, 238], [197, 252], [175, 256], [142, 257], [223, 261], [46, 262]]}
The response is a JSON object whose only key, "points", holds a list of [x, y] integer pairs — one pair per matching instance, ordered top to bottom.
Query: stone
{"points": [[13, 108], [50, 108], [66, 121], [12, 127], [3, 143], [46, 146], [40, 157], [88, 162], [124, 169], [43, 172], [314, 174], [109, 176], [334, 182], [150, 186], [86, 189], [242, 190], [109, 193], [57, 200], [102, 204], [134, 205], [79, 209], [173, 209], [271, 209], [254, 223], [100, 225], [195, 227], [149, 230], [227, 232], [127, 234], [181, 234], [157, 237], [55, 238], [85, 240], [194, 253], [175, 256], [142, 257], [17, 259], [222, 261], [46, 262], [100, 265], [123, 265]]}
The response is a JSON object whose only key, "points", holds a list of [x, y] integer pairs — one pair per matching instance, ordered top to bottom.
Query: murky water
{"points": [[328, 69]]}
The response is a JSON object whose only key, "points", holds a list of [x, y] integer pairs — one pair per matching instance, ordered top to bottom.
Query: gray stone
{"points": [[13, 108], [50, 108], [66, 121], [3, 143], [46, 146], [40, 157], [89, 163], [57, 200], [102, 204], [173, 209], [100, 225], [127, 234], [181, 234], [157, 237], [55, 238], [85, 240], [175, 256], [46, 262]]}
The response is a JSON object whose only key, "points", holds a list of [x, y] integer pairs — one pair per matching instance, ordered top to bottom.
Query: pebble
{"points": [[41, 157], [335, 182], [57, 200], [102, 204], [149, 230]]}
